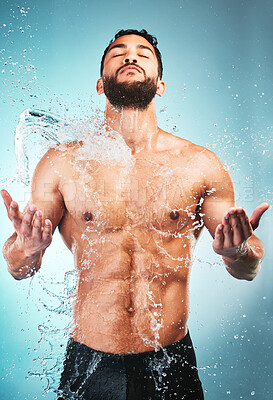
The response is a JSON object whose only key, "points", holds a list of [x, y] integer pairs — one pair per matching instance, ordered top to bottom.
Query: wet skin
{"points": [[132, 230]]}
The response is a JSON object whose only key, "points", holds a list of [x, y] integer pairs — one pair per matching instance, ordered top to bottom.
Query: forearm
{"points": [[247, 262], [19, 264]]}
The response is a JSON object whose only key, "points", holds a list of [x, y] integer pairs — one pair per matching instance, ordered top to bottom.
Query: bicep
{"points": [[45, 193], [219, 196]]}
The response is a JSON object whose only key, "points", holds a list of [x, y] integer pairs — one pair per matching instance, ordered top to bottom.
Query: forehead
{"points": [[132, 40]]}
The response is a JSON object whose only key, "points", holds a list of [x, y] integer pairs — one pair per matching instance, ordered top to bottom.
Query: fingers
{"points": [[6, 197], [7, 200], [12, 208], [257, 213], [15, 215], [27, 221], [30, 223], [245, 223], [33, 224], [37, 226], [236, 227], [47, 231], [42, 232], [227, 232], [34, 235], [218, 242]]}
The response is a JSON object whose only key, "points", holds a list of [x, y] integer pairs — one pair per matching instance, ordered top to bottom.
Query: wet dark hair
{"points": [[151, 39]]}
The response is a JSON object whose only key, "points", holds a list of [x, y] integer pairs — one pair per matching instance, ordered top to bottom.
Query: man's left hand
{"points": [[235, 229]]}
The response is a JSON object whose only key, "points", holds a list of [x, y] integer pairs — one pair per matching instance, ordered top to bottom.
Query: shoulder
{"points": [[183, 147], [57, 154], [198, 158], [52, 164]]}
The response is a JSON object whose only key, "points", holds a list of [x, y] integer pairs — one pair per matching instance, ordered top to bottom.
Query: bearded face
{"points": [[134, 94]]}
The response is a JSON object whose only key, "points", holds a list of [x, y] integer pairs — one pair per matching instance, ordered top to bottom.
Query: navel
{"points": [[174, 214], [88, 216], [131, 311]]}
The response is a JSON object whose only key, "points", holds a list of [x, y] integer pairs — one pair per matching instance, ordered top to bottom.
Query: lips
{"points": [[129, 67]]}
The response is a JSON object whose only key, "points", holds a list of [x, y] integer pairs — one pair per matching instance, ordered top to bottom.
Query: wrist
{"points": [[20, 248], [237, 253], [21, 263]]}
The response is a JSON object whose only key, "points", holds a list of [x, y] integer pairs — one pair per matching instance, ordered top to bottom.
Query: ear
{"points": [[99, 86], [160, 88]]}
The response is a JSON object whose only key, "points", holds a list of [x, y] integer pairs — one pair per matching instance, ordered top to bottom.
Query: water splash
{"points": [[40, 124], [38, 130], [94, 142], [57, 300], [159, 368]]}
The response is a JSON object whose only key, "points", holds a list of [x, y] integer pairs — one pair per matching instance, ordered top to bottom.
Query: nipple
{"points": [[174, 214], [88, 216]]}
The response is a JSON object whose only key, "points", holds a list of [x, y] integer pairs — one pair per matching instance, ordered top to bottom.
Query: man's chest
{"points": [[148, 194]]}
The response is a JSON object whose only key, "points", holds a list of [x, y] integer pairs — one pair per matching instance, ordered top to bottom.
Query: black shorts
{"points": [[169, 373]]}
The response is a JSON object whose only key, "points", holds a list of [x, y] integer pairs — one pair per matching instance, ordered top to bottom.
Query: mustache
{"points": [[131, 64]]}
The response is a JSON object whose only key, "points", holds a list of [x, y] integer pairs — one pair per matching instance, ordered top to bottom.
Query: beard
{"points": [[136, 95]]}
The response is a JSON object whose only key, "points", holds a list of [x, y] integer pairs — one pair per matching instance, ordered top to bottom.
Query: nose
{"points": [[130, 59]]}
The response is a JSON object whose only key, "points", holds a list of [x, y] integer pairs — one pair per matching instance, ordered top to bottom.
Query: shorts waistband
{"points": [[182, 345]]}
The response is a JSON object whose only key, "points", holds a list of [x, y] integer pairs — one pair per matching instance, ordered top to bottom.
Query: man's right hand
{"points": [[33, 236]]}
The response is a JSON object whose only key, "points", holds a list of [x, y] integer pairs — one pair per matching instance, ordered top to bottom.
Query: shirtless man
{"points": [[132, 230]]}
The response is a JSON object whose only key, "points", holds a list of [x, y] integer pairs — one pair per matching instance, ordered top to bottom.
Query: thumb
{"points": [[7, 199], [257, 213]]}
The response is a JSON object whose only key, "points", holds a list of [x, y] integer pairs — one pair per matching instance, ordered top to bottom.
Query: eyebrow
{"points": [[123, 46]]}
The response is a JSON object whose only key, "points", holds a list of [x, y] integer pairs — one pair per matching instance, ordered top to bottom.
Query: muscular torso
{"points": [[132, 229]]}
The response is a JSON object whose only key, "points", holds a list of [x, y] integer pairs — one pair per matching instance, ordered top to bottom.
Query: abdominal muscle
{"points": [[130, 301]]}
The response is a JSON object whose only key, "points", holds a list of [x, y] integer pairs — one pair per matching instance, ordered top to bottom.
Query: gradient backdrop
{"points": [[218, 67]]}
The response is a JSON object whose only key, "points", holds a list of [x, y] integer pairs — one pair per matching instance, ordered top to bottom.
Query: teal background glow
{"points": [[218, 69]]}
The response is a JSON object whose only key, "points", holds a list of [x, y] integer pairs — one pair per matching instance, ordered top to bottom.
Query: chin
{"points": [[130, 78]]}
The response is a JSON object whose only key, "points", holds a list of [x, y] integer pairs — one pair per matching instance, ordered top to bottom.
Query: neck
{"points": [[137, 127]]}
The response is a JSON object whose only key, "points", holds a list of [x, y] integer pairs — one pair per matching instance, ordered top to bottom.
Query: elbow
{"points": [[256, 270], [22, 273], [243, 275], [17, 277], [250, 278]]}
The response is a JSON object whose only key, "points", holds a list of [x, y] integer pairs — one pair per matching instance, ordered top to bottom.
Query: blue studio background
{"points": [[218, 64]]}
